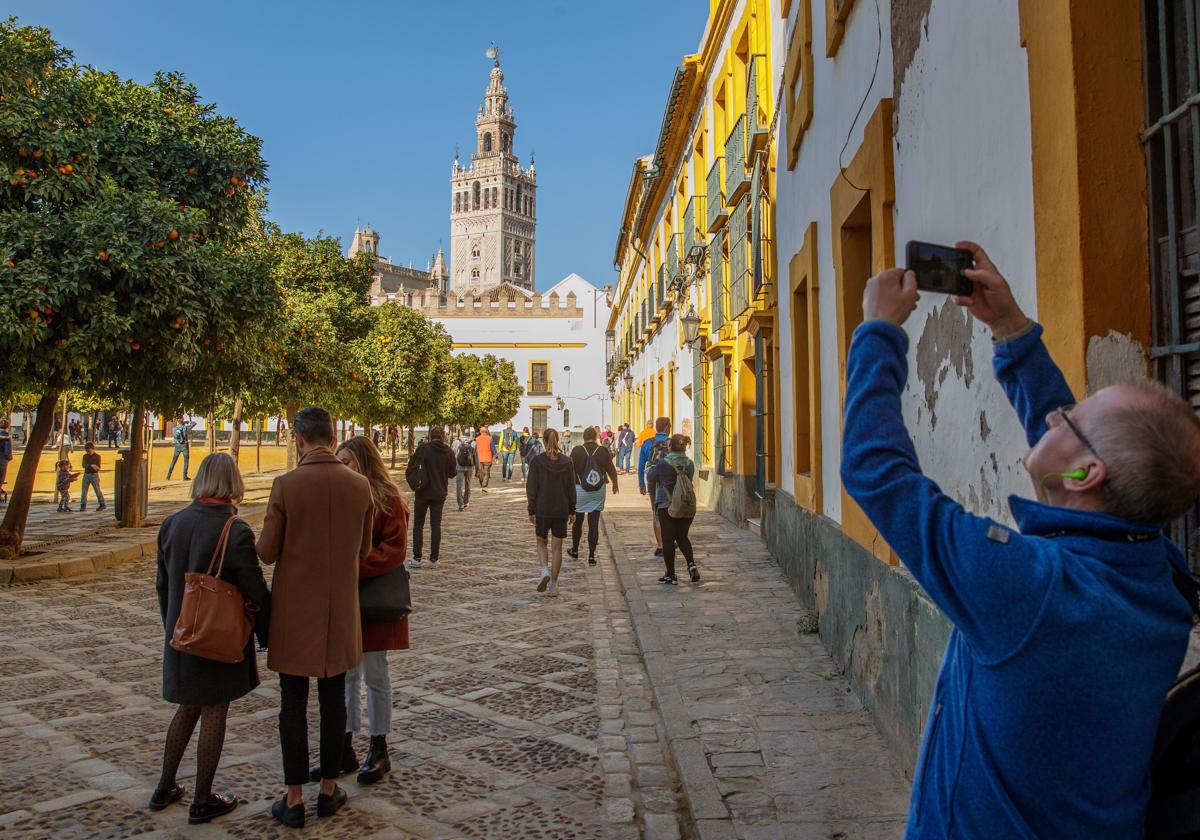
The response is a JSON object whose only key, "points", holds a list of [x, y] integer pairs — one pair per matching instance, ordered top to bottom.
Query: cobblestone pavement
{"points": [[517, 715], [768, 738]]}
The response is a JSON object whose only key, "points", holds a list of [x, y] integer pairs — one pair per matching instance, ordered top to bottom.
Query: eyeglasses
{"points": [[1061, 411]]}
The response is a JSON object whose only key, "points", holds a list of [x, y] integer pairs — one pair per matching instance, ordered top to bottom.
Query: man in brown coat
{"points": [[317, 529]]}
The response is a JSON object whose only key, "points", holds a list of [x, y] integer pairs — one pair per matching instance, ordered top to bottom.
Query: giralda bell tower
{"points": [[493, 201]]}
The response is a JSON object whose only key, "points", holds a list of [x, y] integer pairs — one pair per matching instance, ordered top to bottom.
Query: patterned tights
{"points": [[208, 746]]}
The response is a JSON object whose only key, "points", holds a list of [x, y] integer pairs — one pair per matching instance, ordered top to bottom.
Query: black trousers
{"points": [[593, 523], [435, 526], [675, 533], [293, 725]]}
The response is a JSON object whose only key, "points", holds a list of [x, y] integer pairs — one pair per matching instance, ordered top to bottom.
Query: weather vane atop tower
{"points": [[493, 52]]}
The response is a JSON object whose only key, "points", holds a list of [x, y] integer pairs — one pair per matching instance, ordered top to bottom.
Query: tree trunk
{"points": [[292, 409], [262, 424], [367, 428], [210, 432], [235, 437], [64, 439], [395, 439], [412, 441], [131, 503], [12, 529]]}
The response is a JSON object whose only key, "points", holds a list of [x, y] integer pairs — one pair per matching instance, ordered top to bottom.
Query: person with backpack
{"points": [[625, 439], [183, 446], [533, 448], [653, 450], [508, 451], [523, 451], [485, 455], [466, 463], [593, 469], [428, 476], [670, 484], [550, 493]]}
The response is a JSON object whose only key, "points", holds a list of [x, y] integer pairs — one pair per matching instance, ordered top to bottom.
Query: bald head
{"points": [[1149, 439]]}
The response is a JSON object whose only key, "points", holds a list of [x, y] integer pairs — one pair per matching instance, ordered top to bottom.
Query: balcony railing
{"points": [[758, 127], [737, 179], [716, 196], [693, 217], [740, 256], [673, 259], [663, 278], [716, 279], [539, 388]]}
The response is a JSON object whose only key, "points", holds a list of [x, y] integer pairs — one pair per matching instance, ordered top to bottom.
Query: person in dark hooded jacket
{"points": [[439, 466], [550, 490]]}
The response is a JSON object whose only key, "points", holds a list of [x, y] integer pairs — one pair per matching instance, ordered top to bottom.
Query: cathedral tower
{"points": [[493, 208]]}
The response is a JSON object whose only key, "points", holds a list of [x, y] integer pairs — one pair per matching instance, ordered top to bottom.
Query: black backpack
{"points": [[464, 455], [417, 474], [591, 479]]}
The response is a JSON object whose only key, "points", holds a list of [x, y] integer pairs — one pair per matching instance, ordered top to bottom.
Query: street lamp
{"points": [[691, 327], [628, 377]]}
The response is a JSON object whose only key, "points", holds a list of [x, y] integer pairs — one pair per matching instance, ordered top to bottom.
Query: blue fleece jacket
{"points": [[646, 453], [1066, 635]]}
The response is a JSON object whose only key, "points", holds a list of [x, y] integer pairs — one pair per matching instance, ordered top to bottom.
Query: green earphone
{"points": [[1079, 475]]}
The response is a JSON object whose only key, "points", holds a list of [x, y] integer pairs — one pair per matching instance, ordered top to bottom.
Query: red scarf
{"points": [[212, 500]]}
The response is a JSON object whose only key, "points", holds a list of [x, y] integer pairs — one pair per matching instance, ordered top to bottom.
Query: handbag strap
{"points": [[218, 556]]}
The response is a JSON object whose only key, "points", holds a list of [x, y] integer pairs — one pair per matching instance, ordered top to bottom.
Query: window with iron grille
{"points": [[1172, 146], [702, 379], [723, 401]]}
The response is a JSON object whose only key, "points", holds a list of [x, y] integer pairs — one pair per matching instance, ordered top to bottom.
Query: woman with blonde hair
{"points": [[550, 491], [389, 546], [204, 688]]}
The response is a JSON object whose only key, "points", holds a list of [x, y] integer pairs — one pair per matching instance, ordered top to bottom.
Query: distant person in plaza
{"points": [[114, 432], [645, 434], [124, 438], [608, 439], [625, 441], [183, 446], [533, 448], [508, 450], [653, 450], [485, 451], [523, 451], [6, 454], [439, 464], [466, 465], [594, 469], [91, 476], [63, 480], [662, 480], [550, 492], [317, 531], [389, 545], [1068, 629], [204, 688]]}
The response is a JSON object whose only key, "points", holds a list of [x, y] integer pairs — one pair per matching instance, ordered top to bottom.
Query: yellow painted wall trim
{"points": [[803, 282], [460, 345]]}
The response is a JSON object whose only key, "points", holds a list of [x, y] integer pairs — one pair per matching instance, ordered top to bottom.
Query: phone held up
{"points": [[939, 268]]}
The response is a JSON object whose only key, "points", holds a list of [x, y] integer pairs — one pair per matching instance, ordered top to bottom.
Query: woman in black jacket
{"points": [[550, 490], [590, 490], [203, 688]]}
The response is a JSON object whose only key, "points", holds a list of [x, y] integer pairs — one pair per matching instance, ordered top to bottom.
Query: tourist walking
{"points": [[114, 430], [625, 440], [183, 446], [533, 448], [508, 450], [653, 450], [485, 451], [5, 456], [437, 463], [466, 464], [594, 469], [91, 476], [662, 478], [63, 480], [550, 492], [318, 529], [389, 545], [204, 688]]}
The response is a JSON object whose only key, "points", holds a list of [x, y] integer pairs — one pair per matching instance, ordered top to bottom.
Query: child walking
{"points": [[63, 484]]}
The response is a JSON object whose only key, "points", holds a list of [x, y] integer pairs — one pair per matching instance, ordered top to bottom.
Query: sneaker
{"points": [[102, 507], [658, 552], [573, 553], [591, 559], [414, 563], [693, 572], [669, 579], [545, 580], [553, 590]]}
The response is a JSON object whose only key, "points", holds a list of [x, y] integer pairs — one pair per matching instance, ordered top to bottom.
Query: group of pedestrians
{"points": [[336, 531]]}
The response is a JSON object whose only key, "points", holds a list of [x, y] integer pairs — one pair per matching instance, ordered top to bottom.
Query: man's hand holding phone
{"points": [[890, 296], [992, 300]]}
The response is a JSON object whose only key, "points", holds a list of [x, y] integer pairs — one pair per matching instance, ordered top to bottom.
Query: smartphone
{"points": [[939, 268]]}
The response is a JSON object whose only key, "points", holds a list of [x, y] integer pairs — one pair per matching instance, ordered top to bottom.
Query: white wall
{"points": [[962, 171]]}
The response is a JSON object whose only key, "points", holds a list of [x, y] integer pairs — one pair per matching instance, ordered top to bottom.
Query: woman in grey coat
{"points": [[203, 688]]}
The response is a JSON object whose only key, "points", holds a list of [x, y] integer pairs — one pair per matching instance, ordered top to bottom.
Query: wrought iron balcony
{"points": [[759, 121], [737, 178], [716, 196], [693, 233], [673, 257], [740, 258], [716, 279], [660, 295]]}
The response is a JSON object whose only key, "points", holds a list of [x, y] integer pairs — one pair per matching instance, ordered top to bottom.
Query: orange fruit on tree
{"points": [[23, 152], [37, 153], [68, 169], [192, 171], [229, 191], [173, 235], [102, 255], [9, 264], [136, 346]]}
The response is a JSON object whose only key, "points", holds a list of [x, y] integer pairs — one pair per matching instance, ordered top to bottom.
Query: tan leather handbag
{"points": [[214, 621]]}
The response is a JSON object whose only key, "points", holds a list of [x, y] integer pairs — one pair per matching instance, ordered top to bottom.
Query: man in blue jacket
{"points": [[653, 450], [1068, 631]]}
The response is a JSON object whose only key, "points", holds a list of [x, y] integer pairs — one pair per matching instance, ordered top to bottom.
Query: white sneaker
{"points": [[414, 563], [545, 580], [553, 588]]}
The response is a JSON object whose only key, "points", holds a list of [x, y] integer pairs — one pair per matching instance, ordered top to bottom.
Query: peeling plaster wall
{"points": [[1113, 359]]}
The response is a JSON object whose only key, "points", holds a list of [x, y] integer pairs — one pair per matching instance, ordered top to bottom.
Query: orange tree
{"points": [[119, 203], [479, 390]]}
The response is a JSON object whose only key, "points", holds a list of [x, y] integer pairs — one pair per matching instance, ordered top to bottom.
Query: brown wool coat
{"points": [[317, 531]]}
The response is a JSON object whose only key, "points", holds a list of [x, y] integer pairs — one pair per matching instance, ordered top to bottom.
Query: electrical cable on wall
{"points": [[861, 105]]}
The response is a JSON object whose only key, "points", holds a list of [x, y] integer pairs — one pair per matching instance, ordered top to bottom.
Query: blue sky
{"points": [[360, 106]]}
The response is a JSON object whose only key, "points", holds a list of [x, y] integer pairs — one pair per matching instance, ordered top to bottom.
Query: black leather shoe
{"points": [[658, 552], [573, 553], [591, 559], [349, 760], [377, 764], [162, 798], [329, 805], [216, 806], [292, 817]]}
